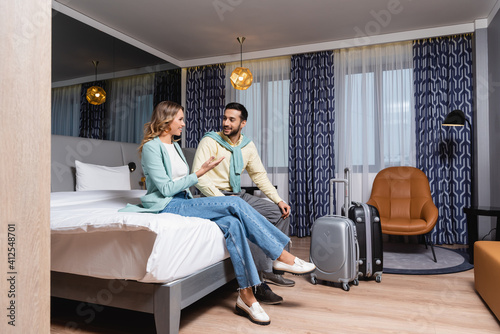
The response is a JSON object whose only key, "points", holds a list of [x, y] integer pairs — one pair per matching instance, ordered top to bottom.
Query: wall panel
{"points": [[25, 69]]}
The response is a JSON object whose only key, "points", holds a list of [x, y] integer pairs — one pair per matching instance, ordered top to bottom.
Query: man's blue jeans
{"points": [[239, 222]]}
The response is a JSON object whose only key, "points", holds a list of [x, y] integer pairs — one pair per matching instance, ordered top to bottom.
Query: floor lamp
{"points": [[457, 118]]}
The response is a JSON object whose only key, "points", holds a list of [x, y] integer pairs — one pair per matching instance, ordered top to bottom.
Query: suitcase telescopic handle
{"points": [[347, 176], [347, 191], [346, 196]]}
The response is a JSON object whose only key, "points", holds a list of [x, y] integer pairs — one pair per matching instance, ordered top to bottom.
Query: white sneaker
{"points": [[300, 267], [255, 313]]}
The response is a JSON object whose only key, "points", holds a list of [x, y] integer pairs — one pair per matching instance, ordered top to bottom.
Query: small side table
{"points": [[472, 228]]}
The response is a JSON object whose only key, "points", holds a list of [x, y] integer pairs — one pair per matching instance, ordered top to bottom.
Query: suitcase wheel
{"points": [[378, 279], [314, 280], [355, 282], [346, 286]]}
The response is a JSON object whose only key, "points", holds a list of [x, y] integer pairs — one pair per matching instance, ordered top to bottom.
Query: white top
{"points": [[179, 167]]}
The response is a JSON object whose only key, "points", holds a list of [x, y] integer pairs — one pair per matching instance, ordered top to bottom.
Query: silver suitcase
{"points": [[334, 248]]}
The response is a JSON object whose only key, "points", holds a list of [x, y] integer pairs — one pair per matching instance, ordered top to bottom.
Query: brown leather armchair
{"points": [[402, 196]]}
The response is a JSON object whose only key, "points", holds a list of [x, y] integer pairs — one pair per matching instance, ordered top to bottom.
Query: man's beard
{"points": [[232, 133]]}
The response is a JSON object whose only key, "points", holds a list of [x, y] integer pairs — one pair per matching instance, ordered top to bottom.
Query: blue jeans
{"points": [[239, 222]]}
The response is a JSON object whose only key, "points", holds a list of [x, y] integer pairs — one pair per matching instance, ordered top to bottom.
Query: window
{"points": [[397, 108], [389, 118]]}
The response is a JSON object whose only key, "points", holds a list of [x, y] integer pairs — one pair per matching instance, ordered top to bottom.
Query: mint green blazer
{"points": [[159, 184]]}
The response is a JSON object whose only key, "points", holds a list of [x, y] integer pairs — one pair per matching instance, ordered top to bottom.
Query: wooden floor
{"points": [[399, 304]]}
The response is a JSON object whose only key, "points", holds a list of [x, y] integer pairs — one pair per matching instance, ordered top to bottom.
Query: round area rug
{"points": [[415, 259]]}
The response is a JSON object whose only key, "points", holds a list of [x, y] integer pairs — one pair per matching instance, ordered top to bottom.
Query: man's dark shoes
{"points": [[279, 280], [265, 295]]}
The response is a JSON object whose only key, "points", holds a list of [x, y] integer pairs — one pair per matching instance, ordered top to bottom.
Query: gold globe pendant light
{"points": [[241, 78], [95, 94]]}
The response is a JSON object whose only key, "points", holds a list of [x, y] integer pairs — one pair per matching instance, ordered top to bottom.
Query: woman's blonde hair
{"points": [[163, 114]]}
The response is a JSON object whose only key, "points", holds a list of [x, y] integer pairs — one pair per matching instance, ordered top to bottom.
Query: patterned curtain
{"points": [[443, 82], [167, 86], [205, 101], [92, 117], [311, 153]]}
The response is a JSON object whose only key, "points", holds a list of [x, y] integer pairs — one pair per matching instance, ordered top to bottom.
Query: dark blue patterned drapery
{"points": [[444, 82], [167, 86], [205, 101], [92, 117], [311, 152]]}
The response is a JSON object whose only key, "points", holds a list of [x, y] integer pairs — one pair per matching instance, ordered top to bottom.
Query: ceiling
{"points": [[198, 32]]}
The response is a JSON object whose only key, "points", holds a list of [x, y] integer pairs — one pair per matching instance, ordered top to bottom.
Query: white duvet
{"points": [[90, 237]]}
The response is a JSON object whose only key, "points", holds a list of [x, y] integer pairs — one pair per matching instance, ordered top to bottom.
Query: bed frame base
{"points": [[164, 301]]}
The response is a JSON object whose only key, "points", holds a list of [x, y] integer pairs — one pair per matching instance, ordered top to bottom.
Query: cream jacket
{"points": [[217, 179]]}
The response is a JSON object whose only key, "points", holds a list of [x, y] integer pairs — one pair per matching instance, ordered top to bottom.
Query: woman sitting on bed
{"points": [[168, 181]]}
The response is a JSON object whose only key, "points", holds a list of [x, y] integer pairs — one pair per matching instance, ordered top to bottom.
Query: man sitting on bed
{"points": [[241, 154]]}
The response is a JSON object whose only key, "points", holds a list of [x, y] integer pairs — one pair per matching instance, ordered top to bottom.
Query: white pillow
{"points": [[95, 177]]}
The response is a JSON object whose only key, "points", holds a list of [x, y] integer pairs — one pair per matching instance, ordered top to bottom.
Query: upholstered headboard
{"points": [[65, 150]]}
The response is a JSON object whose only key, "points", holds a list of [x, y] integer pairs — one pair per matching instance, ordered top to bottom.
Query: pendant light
{"points": [[241, 78], [95, 94]]}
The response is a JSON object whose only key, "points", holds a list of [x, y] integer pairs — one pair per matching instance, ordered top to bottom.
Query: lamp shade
{"points": [[241, 78], [96, 95], [454, 118]]}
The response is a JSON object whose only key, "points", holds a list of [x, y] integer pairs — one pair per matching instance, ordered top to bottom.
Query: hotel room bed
{"points": [[150, 263]]}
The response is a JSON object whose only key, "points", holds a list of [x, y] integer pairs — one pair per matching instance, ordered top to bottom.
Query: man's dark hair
{"points": [[241, 108]]}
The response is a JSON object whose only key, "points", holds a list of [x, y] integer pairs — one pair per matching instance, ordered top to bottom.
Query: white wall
{"points": [[494, 103], [481, 143]]}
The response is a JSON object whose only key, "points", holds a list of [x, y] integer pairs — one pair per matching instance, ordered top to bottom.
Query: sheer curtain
{"points": [[267, 102], [130, 107], [66, 110], [374, 112]]}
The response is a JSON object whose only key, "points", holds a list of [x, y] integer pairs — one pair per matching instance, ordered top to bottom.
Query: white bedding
{"points": [[90, 237]]}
